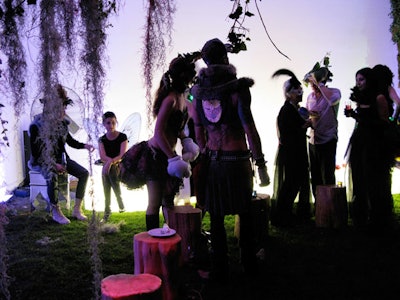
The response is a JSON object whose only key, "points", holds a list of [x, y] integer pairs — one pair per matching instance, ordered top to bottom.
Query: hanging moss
{"points": [[68, 10], [94, 15], [159, 23], [13, 49], [49, 62]]}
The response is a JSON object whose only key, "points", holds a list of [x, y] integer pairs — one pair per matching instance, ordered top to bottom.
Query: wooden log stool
{"points": [[260, 209], [331, 210], [186, 220], [160, 256], [131, 287]]}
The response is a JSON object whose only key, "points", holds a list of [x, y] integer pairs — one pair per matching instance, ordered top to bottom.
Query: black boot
{"points": [[152, 221]]}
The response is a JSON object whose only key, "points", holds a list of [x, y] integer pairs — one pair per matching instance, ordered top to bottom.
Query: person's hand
{"points": [[311, 79], [349, 113], [307, 123], [89, 147], [190, 150], [106, 167], [178, 167], [60, 168], [263, 175]]}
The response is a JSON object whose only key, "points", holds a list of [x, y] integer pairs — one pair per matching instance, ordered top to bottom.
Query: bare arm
{"points": [[383, 109], [246, 118], [199, 130], [161, 137], [122, 149], [102, 152]]}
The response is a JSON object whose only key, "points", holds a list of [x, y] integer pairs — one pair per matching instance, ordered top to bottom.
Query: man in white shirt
{"points": [[323, 105]]}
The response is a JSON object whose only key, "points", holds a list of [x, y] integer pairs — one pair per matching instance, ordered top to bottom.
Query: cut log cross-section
{"points": [[331, 210], [186, 220], [160, 256], [131, 287]]}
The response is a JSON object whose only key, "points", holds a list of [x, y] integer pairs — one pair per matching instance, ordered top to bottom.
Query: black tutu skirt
{"points": [[141, 163]]}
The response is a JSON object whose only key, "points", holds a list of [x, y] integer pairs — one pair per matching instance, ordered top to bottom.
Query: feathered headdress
{"points": [[290, 84]]}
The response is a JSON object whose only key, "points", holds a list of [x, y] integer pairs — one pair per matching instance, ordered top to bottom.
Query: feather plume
{"points": [[293, 81]]}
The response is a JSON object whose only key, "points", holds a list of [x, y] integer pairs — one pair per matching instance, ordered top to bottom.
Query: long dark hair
{"points": [[180, 73], [384, 77], [368, 95]]}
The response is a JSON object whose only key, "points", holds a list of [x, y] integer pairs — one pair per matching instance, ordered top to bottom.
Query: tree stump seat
{"points": [[331, 209], [260, 210], [186, 220], [160, 256], [131, 287]]}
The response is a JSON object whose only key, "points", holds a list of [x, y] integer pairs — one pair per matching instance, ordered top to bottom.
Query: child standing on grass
{"points": [[112, 146]]}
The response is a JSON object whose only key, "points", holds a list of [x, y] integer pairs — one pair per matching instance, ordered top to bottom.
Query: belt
{"points": [[228, 155]]}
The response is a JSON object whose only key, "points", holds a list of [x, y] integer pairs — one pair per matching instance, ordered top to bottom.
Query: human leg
{"points": [[327, 154], [315, 171], [82, 174], [113, 178], [289, 188], [154, 189], [52, 191], [107, 196], [381, 199], [304, 205], [359, 205], [247, 244], [219, 256]]}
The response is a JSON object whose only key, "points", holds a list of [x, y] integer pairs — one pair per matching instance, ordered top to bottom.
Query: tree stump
{"points": [[260, 209], [331, 209], [186, 220], [160, 256], [131, 287]]}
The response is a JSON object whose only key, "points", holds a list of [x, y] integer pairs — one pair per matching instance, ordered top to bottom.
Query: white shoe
{"points": [[77, 211], [78, 214], [58, 216]]}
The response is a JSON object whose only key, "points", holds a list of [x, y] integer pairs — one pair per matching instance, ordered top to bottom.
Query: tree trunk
{"points": [[331, 206]]}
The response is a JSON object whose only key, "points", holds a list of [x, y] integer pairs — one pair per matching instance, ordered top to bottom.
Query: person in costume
{"points": [[323, 105], [225, 130], [112, 146], [370, 157], [155, 162], [61, 163], [291, 164]]}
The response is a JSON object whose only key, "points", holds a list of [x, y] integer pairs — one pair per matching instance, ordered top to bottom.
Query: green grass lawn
{"points": [[49, 261]]}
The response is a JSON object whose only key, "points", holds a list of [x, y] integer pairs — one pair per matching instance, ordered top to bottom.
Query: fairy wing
{"points": [[131, 127]]}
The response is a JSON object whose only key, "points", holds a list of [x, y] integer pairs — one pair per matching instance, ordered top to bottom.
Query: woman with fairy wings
{"points": [[155, 162]]}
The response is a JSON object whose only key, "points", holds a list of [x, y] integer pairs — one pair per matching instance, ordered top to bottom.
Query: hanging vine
{"points": [[68, 10], [94, 15], [159, 23], [238, 33], [13, 49], [49, 62]]}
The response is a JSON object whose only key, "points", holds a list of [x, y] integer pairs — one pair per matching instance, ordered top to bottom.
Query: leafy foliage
{"points": [[395, 28], [238, 34], [4, 139]]}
